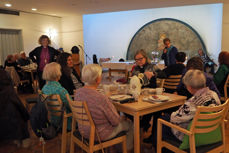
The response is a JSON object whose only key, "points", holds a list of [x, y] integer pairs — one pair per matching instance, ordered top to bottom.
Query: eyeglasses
{"points": [[139, 59]]}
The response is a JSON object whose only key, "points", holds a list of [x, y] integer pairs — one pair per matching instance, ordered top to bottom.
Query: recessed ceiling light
{"points": [[8, 5], [34, 9]]}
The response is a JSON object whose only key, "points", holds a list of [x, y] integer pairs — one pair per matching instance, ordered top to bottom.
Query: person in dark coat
{"points": [[169, 53], [42, 55], [76, 59], [23, 60], [95, 60], [10, 61], [195, 63], [145, 68], [174, 69], [220, 76], [70, 79], [13, 114]]}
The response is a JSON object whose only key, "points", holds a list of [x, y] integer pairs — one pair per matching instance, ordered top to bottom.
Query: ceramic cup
{"points": [[106, 88], [159, 91]]}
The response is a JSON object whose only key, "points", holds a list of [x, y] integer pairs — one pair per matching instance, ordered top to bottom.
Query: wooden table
{"points": [[124, 67], [31, 71], [141, 108]]}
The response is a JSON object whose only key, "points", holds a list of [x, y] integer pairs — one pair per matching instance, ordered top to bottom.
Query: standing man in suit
{"points": [[169, 53], [43, 55]]}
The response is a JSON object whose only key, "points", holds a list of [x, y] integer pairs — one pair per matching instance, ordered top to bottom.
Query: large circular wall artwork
{"points": [[150, 38]]}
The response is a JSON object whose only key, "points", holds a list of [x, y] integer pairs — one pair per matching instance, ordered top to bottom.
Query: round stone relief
{"points": [[150, 38]]}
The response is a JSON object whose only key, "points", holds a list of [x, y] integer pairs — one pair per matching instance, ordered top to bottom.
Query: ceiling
{"points": [[63, 8]]}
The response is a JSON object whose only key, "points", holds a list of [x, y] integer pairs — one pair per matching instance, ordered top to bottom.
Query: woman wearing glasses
{"points": [[144, 69], [147, 72]]}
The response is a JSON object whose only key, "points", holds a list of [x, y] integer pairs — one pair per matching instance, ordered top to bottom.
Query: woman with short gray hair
{"points": [[90, 73], [52, 74], [194, 79], [195, 83], [107, 121]]}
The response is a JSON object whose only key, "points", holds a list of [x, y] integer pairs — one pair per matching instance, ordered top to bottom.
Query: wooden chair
{"points": [[14, 76], [172, 82], [160, 83], [226, 85], [55, 109], [83, 117], [206, 120]]}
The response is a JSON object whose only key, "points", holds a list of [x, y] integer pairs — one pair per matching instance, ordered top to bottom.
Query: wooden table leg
{"points": [[110, 74], [126, 74], [33, 84], [136, 133]]}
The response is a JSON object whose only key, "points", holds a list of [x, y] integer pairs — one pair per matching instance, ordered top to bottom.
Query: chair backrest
{"points": [[13, 74], [172, 81], [160, 82], [226, 85], [54, 105], [81, 113], [83, 117], [209, 118]]}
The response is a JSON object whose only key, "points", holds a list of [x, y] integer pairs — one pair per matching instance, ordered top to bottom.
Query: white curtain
{"points": [[10, 43]]}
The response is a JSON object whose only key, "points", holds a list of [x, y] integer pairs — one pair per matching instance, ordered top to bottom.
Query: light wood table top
{"points": [[141, 105], [140, 108]]}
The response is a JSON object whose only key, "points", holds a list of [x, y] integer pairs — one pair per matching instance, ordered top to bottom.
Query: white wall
{"points": [[33, 26], [225, 30], [72, 33], [109, 34]]}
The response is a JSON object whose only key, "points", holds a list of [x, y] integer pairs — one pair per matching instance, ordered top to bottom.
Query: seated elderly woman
{"points": [[145, 69], [52, 74], [195, 83], [105, 116]]}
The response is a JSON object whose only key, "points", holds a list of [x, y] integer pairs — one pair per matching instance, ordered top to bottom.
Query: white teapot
{"points": [[135, 86]]}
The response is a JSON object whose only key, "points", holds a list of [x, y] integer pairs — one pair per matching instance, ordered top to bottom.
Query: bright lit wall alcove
{"points": [[109, 34]]}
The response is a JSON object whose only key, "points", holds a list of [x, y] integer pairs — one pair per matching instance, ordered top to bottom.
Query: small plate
{"points": [[148, 91], [120, 97], [156, 98]]}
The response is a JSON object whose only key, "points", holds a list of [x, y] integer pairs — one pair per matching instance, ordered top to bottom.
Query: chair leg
{"points": [[64, 135], [159, 137], [192, 144], [72, 147], [124, 148], [91, 151]]}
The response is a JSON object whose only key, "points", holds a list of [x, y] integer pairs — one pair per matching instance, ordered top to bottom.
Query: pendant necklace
{"points": [[46, 56]]}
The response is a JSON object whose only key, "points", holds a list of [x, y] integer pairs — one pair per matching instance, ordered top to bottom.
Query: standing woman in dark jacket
{"points": [[43, 55], [70, 80], [13, 114]]}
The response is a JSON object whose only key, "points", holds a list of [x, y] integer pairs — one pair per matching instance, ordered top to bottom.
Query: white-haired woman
{"points": [[52, 74], [195, 83], [107, 120]]}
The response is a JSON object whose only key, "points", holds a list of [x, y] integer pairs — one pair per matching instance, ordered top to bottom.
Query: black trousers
{"points": [[40, 80], [166, 134]]}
